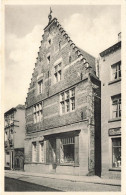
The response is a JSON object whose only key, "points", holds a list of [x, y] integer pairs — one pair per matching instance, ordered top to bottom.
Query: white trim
{"points": [[57, 61]]}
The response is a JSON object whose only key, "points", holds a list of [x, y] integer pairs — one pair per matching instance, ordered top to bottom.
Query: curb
{"points": [[75, 180]]}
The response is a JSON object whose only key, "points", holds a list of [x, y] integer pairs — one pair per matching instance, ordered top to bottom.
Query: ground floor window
{"points": [[63, 149], [67, 150], [34, 152], [41, 152], [116, 152], [7, 160]]}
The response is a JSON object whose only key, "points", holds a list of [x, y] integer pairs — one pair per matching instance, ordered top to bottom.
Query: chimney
{"points": [[119, 37]]}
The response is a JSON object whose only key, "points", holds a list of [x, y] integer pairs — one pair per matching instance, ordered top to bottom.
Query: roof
{"points": [[111, 49], [89, 58], [19, 106], [10, 111]]}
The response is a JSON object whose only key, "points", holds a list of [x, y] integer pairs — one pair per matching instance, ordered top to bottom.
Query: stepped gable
{"points": [[82, 55], [90, 58]]}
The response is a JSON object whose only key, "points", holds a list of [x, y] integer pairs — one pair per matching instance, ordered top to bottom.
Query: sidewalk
{"points": [[86, 179]]}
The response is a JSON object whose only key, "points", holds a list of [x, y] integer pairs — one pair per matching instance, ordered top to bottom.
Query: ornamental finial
{"points": [[50, 16]]}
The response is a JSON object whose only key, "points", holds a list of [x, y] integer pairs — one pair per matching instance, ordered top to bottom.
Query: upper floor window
{"points": [[116, 70], [58, 72], [40, 86], [67, 101], [116, 106], [37, 112]]}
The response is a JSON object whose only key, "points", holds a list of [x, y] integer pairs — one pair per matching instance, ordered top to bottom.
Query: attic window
{"points": [[49, 41], [59, 45], [48, 59], [69, 59]]}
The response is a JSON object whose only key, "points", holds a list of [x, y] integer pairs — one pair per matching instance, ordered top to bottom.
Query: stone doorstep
{"points": [[87, 179]]}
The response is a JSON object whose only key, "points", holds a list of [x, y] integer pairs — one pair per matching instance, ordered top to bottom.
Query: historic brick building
{"points": [[110, 76], [63, 108], [14, 130]]}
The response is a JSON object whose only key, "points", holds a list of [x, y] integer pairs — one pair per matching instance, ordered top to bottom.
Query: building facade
{"points": [[110, 76], [14, 130], [63, 132]]}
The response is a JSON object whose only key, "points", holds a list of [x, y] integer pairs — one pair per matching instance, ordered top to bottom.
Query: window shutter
{"points": [[76, 152]]}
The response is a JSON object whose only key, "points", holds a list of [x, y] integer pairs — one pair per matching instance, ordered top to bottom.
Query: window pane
{"points": [[59, 75], [67, 95], [72, 103], [67, 106], [62, 107], [34, 152], [116, 152], [41, 153], [68, 153]]}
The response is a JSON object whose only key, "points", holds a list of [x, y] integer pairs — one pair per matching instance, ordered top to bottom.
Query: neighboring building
{"points": [[110, 76], [63, 129], [14, 130]]}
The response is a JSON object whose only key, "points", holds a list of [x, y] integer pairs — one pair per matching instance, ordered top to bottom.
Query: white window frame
{"points": [[116, 70], [58, 72], [68, 101], [118, 105], [38, 112], [111, 152]]}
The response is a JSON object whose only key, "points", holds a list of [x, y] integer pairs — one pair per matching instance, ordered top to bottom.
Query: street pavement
{"points": [[67, 182]]}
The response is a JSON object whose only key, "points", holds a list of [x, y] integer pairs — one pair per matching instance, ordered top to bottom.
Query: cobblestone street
{"points": [[39, 183]]}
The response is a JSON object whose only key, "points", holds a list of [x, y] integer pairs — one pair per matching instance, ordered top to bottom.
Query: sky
{"points": [[93, 28]]}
